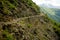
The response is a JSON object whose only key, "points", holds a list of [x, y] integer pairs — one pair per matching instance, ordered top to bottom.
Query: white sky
{"points": [[53, 2]]}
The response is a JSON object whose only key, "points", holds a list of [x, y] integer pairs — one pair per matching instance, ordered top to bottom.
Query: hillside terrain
{"points": [[53, 13], [23, 20]]}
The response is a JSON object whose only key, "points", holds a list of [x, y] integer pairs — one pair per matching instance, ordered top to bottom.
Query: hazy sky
{"points": [[53, 2]]}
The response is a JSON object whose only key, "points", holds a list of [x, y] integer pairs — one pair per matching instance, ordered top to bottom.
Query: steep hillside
{"points": [[11, 9], [53, 14], [23, 20]]}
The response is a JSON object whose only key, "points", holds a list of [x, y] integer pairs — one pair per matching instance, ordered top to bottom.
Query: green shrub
{"points": [[29, 25], [8, 36]]}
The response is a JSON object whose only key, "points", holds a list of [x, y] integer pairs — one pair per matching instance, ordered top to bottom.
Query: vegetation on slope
{"points": [[10, 9], [52, 13], [56, 27], [28, 28], [33, 28]]}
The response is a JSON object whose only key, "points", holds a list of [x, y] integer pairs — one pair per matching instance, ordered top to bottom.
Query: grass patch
{"points": [[7, 6], [29, 25], [7, 36]]}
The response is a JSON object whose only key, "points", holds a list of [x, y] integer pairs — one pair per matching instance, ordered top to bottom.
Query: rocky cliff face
{"points": [[22, 20]]}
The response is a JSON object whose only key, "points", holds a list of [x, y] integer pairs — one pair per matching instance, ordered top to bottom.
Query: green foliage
{"points": [[10, 5], [32, 5], [7, 6], [6, 11], [29, 25], [56, 25], [57, 28], [8, 36]]}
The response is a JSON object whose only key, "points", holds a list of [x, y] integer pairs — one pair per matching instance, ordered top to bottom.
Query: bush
{"points": [[7, 36]]}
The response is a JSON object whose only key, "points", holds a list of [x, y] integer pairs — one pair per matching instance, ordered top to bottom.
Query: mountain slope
{"points": [[13, 9], [53, 13], [23, 20]]}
